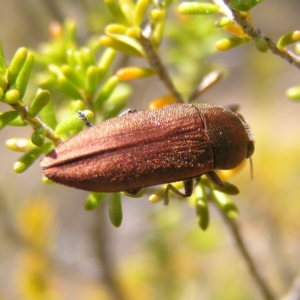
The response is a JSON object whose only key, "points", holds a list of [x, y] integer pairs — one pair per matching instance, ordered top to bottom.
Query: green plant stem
{"points": [[255, 34], [155, 62], [36, 123], [253, 270]]}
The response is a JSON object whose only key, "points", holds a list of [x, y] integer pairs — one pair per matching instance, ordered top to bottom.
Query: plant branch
{"points": [[255, 34], [155, 62], [36, 123], [100, 238], [241, 246], [294, 291]]}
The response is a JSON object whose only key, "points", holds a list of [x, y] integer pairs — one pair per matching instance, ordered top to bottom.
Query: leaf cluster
{"points": [[74, 78]]}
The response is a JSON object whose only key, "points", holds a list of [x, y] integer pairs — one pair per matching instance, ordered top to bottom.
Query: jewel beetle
{"points": [[178, 142]]}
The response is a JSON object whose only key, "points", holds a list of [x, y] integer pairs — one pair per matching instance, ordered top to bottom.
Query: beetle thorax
{"points": [[228, 135]]}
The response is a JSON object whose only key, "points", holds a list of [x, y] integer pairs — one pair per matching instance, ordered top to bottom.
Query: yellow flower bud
{"points": [[288, 39], [226, 44], [133, 73], [161, 102]]}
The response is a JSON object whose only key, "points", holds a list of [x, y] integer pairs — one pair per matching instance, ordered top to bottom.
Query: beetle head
{"points": [[231, 137]]}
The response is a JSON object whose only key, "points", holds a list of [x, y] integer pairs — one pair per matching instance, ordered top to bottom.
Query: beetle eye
{"points": [[250, 149]]}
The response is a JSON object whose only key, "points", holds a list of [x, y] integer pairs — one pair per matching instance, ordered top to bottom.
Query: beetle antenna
{"points": [[84, 119], [251, 168]]}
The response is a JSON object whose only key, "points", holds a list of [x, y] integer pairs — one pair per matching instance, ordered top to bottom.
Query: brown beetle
{"points": [[175, 143]]}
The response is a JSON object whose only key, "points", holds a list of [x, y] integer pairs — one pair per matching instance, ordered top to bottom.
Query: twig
{"points": [[255, 34], [156, 64], [36, 123], [100, 237], [241, 246], [294, 291]]}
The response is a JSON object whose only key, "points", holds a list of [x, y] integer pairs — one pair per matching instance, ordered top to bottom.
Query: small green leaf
{"points": [[243, 5], [127, 7], [195, 8], [116, 11], [140, 11], [158, 18], [224, 21], [115, 29], [134, 32], [70, 33], [288, 39], [235, 41], [123, 43], [94, 45], [88, 57], [71, 58], [106, 59], [2, 61], [105, 62], [16, 65], [24, 74], [72, 75], [91, 79], [3, 83], [69, 88], [106, 91], [293, 93], [12, 96], [41, 99], [117, 101], [77, 105], [47, 115], [7, 117], [18, 122], [72, 123], [69, 124], [38, 137], [19, 145], [26, 160], [46, 180], [199, 197], [94, 200], [226, 204], [115, 209], [202, 213]]}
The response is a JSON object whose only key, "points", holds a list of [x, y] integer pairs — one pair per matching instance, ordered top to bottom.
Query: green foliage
{"points": [[243, 5], [191, 8], [83, 78], [27, 159], [93, 200], [115, 209], [179, 261]]}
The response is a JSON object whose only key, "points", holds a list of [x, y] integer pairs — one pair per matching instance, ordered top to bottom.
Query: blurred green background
{"points": [[51, 248]]}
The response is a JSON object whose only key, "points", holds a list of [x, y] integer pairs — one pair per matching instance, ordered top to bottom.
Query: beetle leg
{"points": [[128, 111], [84, 119], [214, 178], [188, 190], [133, 193]]}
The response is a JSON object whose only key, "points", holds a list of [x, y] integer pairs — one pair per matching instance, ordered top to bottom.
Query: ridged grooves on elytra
{"points": [[142, 149]]}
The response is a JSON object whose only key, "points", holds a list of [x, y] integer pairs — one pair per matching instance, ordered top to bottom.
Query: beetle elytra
{"points": [[178, 142]]}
